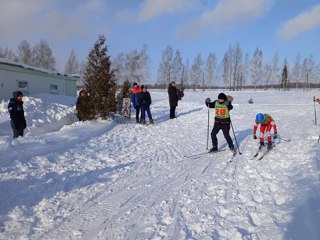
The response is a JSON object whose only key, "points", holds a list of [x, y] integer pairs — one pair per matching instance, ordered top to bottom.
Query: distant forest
{"points": [[237, 70]]}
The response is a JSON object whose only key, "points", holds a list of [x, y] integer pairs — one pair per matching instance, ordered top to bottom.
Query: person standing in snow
{"points": [[135, 94], [173, 99], [145, 102], [82, 106], [15, 108], [222, 119], [266, 123]]}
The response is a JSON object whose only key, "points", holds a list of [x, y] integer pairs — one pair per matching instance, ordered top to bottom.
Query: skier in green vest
{"points": [[222, 120]]}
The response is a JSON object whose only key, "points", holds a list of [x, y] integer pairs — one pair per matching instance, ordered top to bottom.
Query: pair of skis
{"points": [[262, 152], [198, 155]]}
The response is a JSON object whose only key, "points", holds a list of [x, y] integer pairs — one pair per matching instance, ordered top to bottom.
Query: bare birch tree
{"points": [[24, 52], [42, 56], [72, 65], [165, 68], [256, 68], [210, 70], [196, 71]]}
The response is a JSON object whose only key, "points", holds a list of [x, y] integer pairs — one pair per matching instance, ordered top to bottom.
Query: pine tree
{"points": [[284, 80], [99, 81], [126, 89]]}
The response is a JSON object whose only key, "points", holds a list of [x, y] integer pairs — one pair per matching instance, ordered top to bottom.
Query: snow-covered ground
{"points": [[106, 180]]}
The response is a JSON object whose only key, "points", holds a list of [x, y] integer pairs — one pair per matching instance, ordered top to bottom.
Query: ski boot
{"points": [[143, 122], [261, 145], [269, 145], [214, 149], [232, 149]]}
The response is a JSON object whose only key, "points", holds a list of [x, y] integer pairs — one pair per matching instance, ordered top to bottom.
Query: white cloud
{"points": [[155, 8], [226, 14], [18, 19], [304, 22]]}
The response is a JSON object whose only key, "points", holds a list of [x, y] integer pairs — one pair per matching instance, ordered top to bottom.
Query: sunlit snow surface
{"points": [[107, 180]]}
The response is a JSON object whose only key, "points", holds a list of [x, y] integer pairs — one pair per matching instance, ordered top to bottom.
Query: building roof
{"points": [[5, 61]]}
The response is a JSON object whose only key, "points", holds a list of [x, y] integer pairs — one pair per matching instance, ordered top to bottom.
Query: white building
{"points": [[31, 80]]}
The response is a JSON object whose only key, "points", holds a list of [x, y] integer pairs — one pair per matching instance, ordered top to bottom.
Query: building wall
{"points": [[37, 82]]}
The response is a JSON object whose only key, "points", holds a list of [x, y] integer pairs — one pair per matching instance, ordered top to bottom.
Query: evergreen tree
{"points": [[284, 79], [100, 81], [126, 89]]}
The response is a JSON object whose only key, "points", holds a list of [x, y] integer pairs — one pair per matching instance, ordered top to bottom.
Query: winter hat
{"points": [[173, 82], [135, 84], [142, 87], [82, 91], [17, 94], [222, 96], [260, 117]]}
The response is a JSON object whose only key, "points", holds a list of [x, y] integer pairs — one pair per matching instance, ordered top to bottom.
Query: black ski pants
{"points": [[225, 127]]}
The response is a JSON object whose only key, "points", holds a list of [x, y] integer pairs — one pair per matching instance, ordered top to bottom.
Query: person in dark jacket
{"points": [[136, 90], [173, 99], [145, 102], [82, 106], [15, 108], [222, 120]]}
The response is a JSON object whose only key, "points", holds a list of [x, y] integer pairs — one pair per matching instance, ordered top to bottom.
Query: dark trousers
{"points": [[145, 109], [172, 112], [138, 113], [225, 127], [17, 132]]}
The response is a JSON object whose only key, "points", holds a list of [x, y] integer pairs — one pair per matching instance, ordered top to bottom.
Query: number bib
{"points": [[221, 111]]}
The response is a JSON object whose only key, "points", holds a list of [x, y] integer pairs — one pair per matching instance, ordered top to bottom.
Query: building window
{"points": [[23, 87], [54, 89]]}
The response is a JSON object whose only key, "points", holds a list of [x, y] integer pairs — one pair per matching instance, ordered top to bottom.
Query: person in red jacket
{"points": [[136, 90], [266, 123]]}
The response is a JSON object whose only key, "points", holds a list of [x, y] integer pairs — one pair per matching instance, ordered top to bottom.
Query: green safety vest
{"points": [[222, 110]]}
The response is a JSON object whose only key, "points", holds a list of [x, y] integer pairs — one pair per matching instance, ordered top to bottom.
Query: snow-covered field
{"points": [[105, 180]]}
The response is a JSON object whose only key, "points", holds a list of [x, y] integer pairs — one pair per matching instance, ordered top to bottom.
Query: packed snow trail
{"points": [[101, 180]]}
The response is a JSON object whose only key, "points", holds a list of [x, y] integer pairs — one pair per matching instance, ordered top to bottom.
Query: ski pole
{"points": [[315, 112], [208, 130], [235, 137], [283, 139]]}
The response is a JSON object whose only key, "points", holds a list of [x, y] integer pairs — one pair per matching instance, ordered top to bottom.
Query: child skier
{"points": [[222, 120], [266, 123]]}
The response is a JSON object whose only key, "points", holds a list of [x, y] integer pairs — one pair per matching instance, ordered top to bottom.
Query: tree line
{"points": [[237, 70]]}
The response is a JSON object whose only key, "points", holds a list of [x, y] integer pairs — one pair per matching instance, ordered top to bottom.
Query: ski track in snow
{"points": [[102, 180]]}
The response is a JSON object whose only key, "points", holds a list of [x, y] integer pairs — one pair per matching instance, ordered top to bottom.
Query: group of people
{"points": [[141, 100], [222, 106]]}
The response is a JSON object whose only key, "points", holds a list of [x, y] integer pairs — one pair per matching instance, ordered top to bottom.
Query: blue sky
{"points": [[287, 27]]}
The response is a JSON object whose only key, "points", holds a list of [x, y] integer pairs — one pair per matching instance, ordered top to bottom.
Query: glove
{"points": [[208, 100], [254, 136], [275, 136]]}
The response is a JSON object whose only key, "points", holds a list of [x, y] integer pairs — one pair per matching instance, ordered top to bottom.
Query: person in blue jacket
{"points": [[135, 94], [15, 108]]}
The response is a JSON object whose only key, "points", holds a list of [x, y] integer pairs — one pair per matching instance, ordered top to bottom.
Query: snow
{"points": [[107, 180]]}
